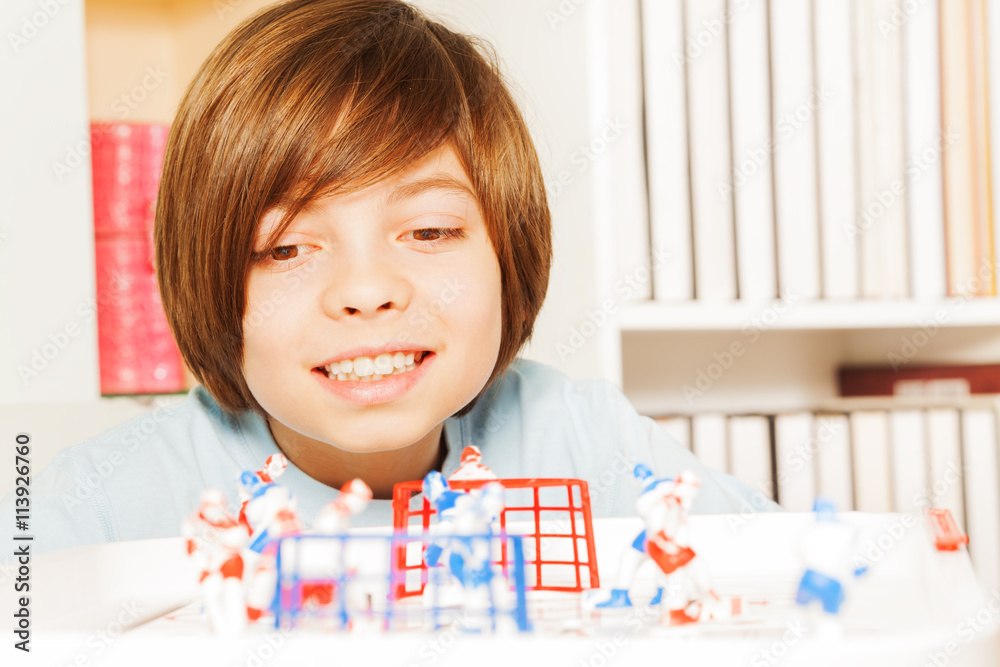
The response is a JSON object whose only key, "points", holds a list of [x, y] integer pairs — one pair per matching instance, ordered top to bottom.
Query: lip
{"points": [[373, 352], [374, 392]]}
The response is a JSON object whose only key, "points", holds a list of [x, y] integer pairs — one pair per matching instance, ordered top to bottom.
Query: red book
{"points": [[137, 352], [919, 380]]}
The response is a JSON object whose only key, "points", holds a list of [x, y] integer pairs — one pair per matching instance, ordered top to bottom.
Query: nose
{"points": [[366, 286]]}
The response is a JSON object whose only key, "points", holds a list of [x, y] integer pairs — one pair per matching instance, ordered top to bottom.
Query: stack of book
{"points": [[829, 150], [137, 351], [873, 460]]}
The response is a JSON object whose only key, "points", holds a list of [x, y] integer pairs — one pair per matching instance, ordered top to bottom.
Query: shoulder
{"points": [[538, 387], [139, 479]]}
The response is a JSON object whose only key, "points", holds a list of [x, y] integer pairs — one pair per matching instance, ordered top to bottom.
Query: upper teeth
{"points": [[383, 364]]}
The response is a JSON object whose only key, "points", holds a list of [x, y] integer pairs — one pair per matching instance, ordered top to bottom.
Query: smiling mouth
{"points": [[373, 369]]}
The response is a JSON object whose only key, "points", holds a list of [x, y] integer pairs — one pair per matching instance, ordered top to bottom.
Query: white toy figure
{"points": [[472, 466], [274, 467], [663, 505], [261, 510], [214, 540], [827, 548], [324, 558], [469, 561], [260, 591]]}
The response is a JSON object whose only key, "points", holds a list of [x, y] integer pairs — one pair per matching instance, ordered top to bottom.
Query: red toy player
{"points": [[472, 466], [274, 467], [214, 539], [260, 592]]}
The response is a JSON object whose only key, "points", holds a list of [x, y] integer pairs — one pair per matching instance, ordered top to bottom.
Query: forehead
{"points": [[438, 174]]}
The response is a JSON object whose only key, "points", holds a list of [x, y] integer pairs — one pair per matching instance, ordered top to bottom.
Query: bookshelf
{"points": [[592, 77]]}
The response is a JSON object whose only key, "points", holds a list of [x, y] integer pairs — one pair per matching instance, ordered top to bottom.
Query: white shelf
{"points": [[810, 315]]}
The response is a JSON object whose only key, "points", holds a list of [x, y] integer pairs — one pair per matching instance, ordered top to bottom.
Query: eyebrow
{"points": [[440, 182]]}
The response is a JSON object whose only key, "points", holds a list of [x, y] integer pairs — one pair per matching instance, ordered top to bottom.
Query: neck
{"points": [[379, 470]]}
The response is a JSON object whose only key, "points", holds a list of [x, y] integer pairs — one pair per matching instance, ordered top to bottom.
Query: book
{"points": [[795, 100], [993, 102], [924, 143], [667, 147], [709, 149], [836, 149], [751, 186], [881, 219], [964, 252], [985, 257], [136, 349], [942, 380], [679, 428], [708, 440], [795, 446], [870, 449], [750, 452], [945, 459], [909, 460], [834, 476], [982, 493]]}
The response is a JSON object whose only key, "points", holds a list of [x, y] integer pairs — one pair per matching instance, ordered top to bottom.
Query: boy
{"points": [[353, 242]]}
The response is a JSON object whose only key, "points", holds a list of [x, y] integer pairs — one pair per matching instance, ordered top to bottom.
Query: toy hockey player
{"points": [[472, 466], [274, 467], [266, 500], [663, 505], [466, 521], [214, 539], [828, 548], [325, 557], [260, 591]]}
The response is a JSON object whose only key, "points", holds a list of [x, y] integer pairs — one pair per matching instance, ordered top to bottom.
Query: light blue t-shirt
{"points": [[141, 479]]}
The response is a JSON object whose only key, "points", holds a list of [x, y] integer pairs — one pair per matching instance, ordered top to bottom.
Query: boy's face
{"points": [[404, 265]]}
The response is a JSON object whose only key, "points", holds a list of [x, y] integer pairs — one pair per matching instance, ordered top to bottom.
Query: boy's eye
{"points": [[434, 234], [284, 252]]}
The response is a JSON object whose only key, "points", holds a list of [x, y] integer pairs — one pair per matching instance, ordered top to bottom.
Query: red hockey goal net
{"points": [[553, 515]]}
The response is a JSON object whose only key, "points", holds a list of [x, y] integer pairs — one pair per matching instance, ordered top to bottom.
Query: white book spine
{"points": [[795, 100], [708, 118], [993, 119], [925, 143], [835, 145], [753, 146], [667, 148], [882, 218], [678, 427], [708, 440], [795, 445], [750, 452], [945, 456], [909, 460], [872, 476], [834, 478], [982, 494]]}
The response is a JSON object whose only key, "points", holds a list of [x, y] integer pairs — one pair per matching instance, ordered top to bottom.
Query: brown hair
{"points": [[312, 97]]}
